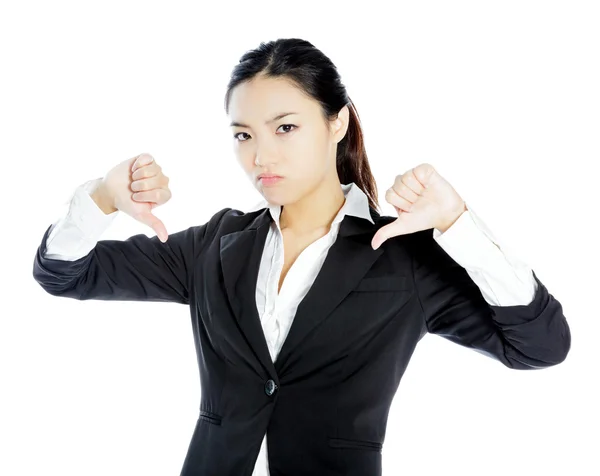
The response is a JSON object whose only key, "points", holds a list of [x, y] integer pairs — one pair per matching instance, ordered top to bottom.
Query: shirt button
{"points": [[270, 387]]}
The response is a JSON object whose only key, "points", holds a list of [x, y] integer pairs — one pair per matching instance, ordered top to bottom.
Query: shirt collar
{"points": [[356, 204]]}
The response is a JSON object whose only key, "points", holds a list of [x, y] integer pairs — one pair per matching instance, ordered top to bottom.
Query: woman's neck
{"points": [[314, 211]]}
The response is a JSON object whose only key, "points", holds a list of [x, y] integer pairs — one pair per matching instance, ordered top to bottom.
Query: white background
{"points": [[501, 97]]}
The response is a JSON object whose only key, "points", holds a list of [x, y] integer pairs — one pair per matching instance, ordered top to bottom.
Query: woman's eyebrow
{"points": [[276, 118]]}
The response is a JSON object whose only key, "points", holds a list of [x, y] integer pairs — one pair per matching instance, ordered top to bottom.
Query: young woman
{"points": [[305, 311]]}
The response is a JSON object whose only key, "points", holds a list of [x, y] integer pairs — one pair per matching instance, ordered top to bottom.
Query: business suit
{"points": [[326, 397]]}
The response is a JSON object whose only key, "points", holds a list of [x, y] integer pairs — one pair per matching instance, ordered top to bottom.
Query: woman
{"points": [[305, 311]]}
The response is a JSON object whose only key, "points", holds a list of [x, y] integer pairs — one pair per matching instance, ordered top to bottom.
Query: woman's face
{"points": [[299, 147]]}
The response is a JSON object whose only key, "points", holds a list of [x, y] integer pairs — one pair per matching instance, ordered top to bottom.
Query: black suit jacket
{"points": [[325, 400]]}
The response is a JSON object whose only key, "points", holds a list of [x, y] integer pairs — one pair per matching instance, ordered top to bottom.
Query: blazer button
{"points": [[270, 387]]}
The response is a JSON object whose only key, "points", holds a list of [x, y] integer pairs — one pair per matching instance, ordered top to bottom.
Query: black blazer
{"points": [[325, 400]]}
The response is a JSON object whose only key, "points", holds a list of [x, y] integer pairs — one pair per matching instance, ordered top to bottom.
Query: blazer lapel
{"points": [[241, 252], [347, 261]]}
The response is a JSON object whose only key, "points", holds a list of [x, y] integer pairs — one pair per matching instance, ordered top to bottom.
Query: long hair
{"points": [[310, 70]]}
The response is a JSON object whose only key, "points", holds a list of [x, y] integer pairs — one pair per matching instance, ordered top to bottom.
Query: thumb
{"points": [[155, 223], [385, 232], [380, 236]]}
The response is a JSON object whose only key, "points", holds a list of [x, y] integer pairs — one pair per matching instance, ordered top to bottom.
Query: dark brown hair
{"points": [[310, 70]]}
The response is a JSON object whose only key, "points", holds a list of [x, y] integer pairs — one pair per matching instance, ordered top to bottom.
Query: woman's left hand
{"points": [[423, 200]]}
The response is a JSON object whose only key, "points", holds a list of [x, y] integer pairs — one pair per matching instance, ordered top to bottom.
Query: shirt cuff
{"points": [[88, 216], [77, 233], [503, 278]]}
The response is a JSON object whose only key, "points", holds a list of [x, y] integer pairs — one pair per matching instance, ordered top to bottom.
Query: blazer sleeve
{"points": [[140, 268], [531, 336]]}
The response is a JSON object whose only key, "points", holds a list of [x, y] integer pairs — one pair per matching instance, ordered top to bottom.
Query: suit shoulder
{"points": [[234, 216], [230, 219]]}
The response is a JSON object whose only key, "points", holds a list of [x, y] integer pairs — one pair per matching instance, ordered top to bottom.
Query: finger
{"points": [[142, 159], [146, 171], [423, 173], [412, 182], [144, 184], [404, 191], [157, 195], [397, 201], [155, 223]]}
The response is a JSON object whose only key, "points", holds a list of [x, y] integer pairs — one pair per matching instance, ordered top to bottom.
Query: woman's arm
{"points": [[137, 269], [524, 336]]}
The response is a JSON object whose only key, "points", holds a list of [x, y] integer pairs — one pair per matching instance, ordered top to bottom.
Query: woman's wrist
{"points": [[103, 200]]}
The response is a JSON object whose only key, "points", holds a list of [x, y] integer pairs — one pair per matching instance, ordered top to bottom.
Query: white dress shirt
{"points": [[503, 279]]}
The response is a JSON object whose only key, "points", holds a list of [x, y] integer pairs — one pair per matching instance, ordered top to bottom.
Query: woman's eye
{"points": [[286, 125], [235, 136]]}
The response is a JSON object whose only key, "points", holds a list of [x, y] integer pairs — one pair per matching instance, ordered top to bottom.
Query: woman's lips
{"points": [[269, 180]]}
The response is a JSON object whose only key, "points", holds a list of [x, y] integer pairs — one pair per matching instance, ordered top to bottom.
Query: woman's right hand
{"points": [[136, 186]]}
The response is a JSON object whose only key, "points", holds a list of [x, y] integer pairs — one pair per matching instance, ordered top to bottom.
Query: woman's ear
{"points": [[340, 124]]}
